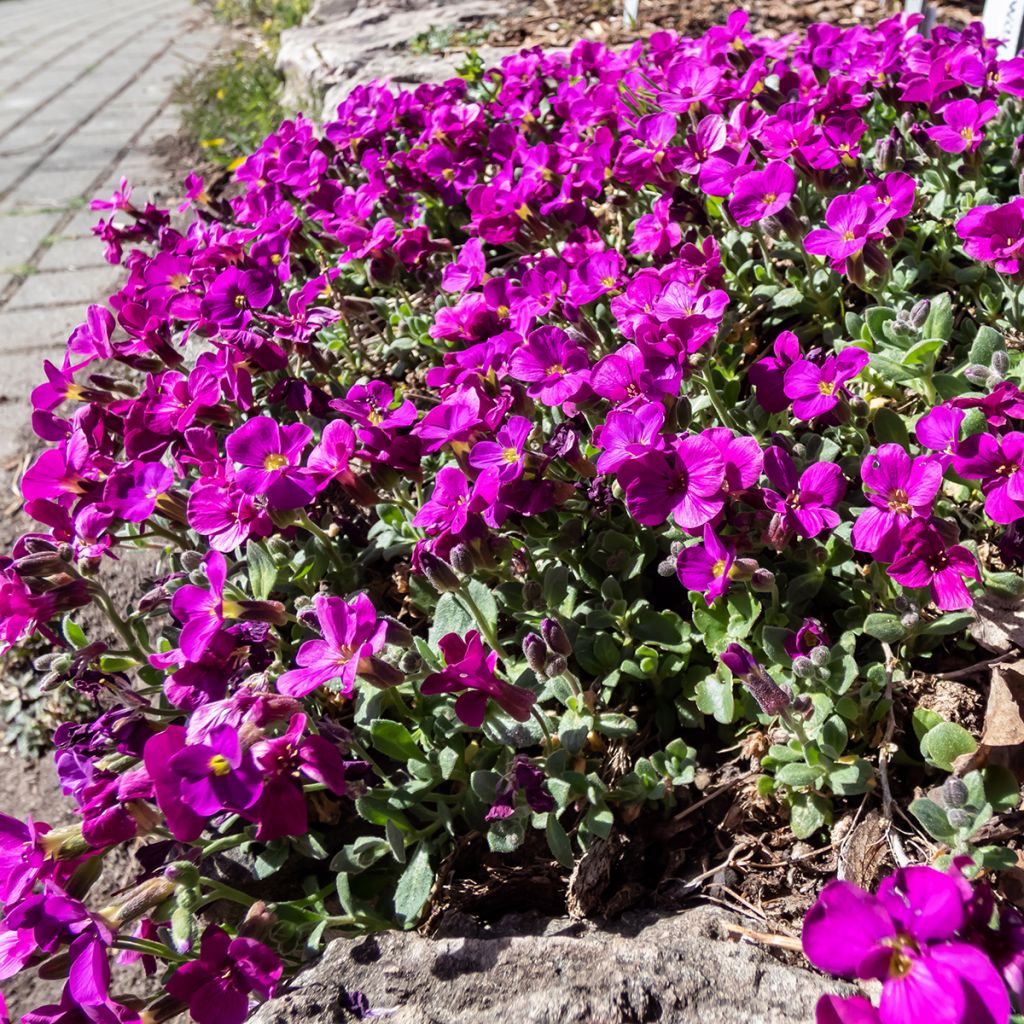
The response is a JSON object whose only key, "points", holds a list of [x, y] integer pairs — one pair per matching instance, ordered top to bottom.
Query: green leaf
{"points": [[787, 298], [876, 318], [940, 318], [986, 343], [922, 352], [890, 428], [262, 571], [484, 598], [449, 617], [946, 625], [887, 628], [73, 633], [715, 697], [924, 719], [394, 740], [944, 743], [798, 775], [850, 778], [1001, 789], [808, 813], [933, 819], [506, 835], [396, 840], [558, 841], [359, 855], [413, 889]]}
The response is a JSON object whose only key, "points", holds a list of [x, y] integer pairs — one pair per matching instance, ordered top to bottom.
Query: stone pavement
{"points": [[84, 94]]}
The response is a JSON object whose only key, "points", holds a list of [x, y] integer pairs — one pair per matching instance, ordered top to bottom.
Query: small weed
{"points": [[443, 38]]}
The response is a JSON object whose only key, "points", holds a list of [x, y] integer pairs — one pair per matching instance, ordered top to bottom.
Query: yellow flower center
{"points": [[275, 461], [219, 765]]}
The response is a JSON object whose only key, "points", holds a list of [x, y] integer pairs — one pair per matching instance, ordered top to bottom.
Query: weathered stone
{"points": [[345, 42], [675, 970]]}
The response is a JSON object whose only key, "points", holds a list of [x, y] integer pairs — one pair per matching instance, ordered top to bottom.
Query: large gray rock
{"points": [[345, 42], [674, 970]]}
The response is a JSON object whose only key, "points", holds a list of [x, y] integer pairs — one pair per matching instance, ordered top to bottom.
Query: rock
{"points": [[345, 42], [675, 970]]}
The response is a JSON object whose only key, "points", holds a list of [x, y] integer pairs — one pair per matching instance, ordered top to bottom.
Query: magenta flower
{"points": [[964, 120], [762, 193], [850, 221], [995, 234], [234, 294], [555, 367], [768, 373], [817, 389], [939, 430], [628, 435], [506, 453], [270, 456], [742, 457], [997, 463], [684, 482], [899, 488], [132, 491], [454, 501], [807, 504], [925, 560], [706, 568], [202, 610], [351, 632], [469, 671], [771, 698], [286, 762], [217, 774], [23, 859], [905, 937], [218, 985]]}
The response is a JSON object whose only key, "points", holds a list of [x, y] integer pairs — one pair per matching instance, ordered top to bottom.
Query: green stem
{"points": [[720, 410], [325, 539], [104, 600], [486, 629], [545, 728], [220, 891], [146, 946]]}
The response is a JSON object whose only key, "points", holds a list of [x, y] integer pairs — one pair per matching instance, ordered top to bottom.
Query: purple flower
{"points": [[964, 120], [762, 193], [850, 221], [234, 294], [555, 367], [768, 374], [816, 390], [627, 435], [506, 453], [270, 456], [997, 462], [684, 482], [900, 488], [133, 491], [454, 501], [806, 505], [925, 560], [707, 567], [202, 610], [351, 631], [469, 671], [771, 698], [216, 775], [524, 778], [23, 858], [905, 937], [217, 986]]}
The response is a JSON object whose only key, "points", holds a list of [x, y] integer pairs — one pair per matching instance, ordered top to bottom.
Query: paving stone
{"points": [[73, 254], [58, 287]]}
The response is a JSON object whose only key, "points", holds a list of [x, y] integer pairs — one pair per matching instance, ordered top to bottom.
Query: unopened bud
{"points": [[885, 154], [919, 312], [1000, 362], [978, 374], [683, 412], [191, 560], [462, 560], [46, 563], [667, 566], [439, 573], [762, 581], [532, 594], [263, 611], [909, 619], [396, 633], [555, 637], [536, 652], [819, 655], [410, 662], [556, 666], [803, 667], [379, 673], [803, 706], [954, 792], [959, 818], [182, 872]]}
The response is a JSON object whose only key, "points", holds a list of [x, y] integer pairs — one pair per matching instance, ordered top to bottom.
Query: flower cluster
{"points": [[417, 423]]}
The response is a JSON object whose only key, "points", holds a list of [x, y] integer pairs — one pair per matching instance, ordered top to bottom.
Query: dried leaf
{"points": [[999, 626], [1002, 736]]}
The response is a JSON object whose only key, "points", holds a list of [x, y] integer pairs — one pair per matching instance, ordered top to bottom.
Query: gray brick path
{"points": [[84, 94]]}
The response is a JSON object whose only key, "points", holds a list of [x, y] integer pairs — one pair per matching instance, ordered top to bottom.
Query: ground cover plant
{"points": [[526, 455]]}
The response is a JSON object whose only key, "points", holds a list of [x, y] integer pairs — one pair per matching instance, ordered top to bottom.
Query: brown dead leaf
{"points": [[999, 625], [1002, 735], [864, 851]]}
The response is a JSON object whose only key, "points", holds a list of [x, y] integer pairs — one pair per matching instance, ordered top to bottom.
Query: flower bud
{"points": [[885, 154], [919, 312], [1000, 362], [978, 374], [683, 413], [191, 560], [462, 560], [44, 563], [667, 566], [439, 573], [762, 581], [533, 592], [263, 611], [910, 619], [396, 633], [555, 637], [535, 652], [819, 655], [410, 662], [556, 666], [803, 667], [379, 673], [803, 706], [954, 792], [959, 818], [182, 872]]}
